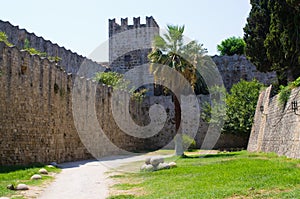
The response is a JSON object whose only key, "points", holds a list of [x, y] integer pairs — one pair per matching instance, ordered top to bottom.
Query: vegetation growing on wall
{"points": [[4, 38], [34, 51], [117, 81], [285, 91]]}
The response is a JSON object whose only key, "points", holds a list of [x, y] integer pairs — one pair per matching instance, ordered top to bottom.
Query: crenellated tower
{"points": [[129, 45]]}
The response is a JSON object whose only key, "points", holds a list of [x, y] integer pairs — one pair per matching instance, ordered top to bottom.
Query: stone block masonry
{"points": [[129, 45], [70, 61], [237, 67], [37, 121], [276, 127]]}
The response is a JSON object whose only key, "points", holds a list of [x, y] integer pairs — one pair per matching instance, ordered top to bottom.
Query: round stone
{"points": [[156, 160], [147, 161], [172, 164], [163, 166], [143, 167], [149, 167], [43, 171], [36, 177], [11, 187], [22, 187]]}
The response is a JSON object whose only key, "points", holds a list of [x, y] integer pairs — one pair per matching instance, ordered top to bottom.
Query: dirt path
{"points": [[85, 179]]}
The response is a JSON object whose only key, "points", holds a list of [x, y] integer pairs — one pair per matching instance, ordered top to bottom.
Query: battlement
{"points": [[114, 27], [71, 61]]}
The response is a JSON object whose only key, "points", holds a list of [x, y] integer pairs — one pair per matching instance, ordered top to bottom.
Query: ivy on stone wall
{"points": [[285, 91]]}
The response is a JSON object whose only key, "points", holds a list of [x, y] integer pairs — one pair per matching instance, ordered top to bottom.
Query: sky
{"points": [[82, 26]]}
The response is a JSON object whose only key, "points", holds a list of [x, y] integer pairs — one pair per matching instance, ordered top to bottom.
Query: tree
{"points": [[256, 31], [272, 37], [232, 46], [171, 51], [240, 107]]}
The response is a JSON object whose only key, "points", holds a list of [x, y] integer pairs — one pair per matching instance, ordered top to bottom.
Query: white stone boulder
{"points": [[156, 160], [147, 161], [172, 164], [163, 166], [149, 167], [43, 171], [36, 177], [22, 187]]}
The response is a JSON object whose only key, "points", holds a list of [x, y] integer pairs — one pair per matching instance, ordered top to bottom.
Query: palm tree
{"points": [[171, 51]]}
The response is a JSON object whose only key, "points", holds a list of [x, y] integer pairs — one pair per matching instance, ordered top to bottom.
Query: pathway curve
{"points": [[85, 179]]}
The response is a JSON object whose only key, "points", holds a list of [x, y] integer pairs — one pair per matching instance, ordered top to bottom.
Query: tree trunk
{"points": [[178, 138]]}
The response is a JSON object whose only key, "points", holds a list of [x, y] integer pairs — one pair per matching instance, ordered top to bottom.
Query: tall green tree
{"points": [[256, 31], [272, 37], [171, 51]]}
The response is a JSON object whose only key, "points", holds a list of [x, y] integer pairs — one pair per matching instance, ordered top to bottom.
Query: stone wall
{"points": [[129, 45], [70, 61], [237, 67], [49, 115], [277, 127]]}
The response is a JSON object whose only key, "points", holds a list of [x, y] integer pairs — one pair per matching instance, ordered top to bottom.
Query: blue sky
{"points": [[83, 25]]}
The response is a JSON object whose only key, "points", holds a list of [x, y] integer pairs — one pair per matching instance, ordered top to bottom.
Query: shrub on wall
{"points": [[4, 38], [117, 81], [285, 91]]}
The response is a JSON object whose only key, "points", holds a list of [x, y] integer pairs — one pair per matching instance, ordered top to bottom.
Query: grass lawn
{"points": [[21, 174], [223, 175]]}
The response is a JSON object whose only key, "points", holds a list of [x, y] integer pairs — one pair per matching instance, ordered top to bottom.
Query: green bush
{"points": [[4, 38], [231, 46], [108, 78], [117, 81], [285, 91], [240, 107]]}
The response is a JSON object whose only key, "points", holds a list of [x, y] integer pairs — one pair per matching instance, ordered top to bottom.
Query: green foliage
{"points": [[256, 31], [272, 37], [4, 38], [232, 46], [34, 51], [171, 51], [55, 59], [108, 78], [117, 81], [285, 91], [284, 94], [240, 107], [214, 111], [188, 142], [20, 174], [222, 175]]}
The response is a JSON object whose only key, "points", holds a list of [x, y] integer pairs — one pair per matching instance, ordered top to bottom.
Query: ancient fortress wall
{"points": [[129, 45], [70, 61], [237, 67], [49, 115], [277, 127]]}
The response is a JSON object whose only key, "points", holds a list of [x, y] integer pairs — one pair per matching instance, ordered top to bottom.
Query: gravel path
{"points": [[85, 179]]}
